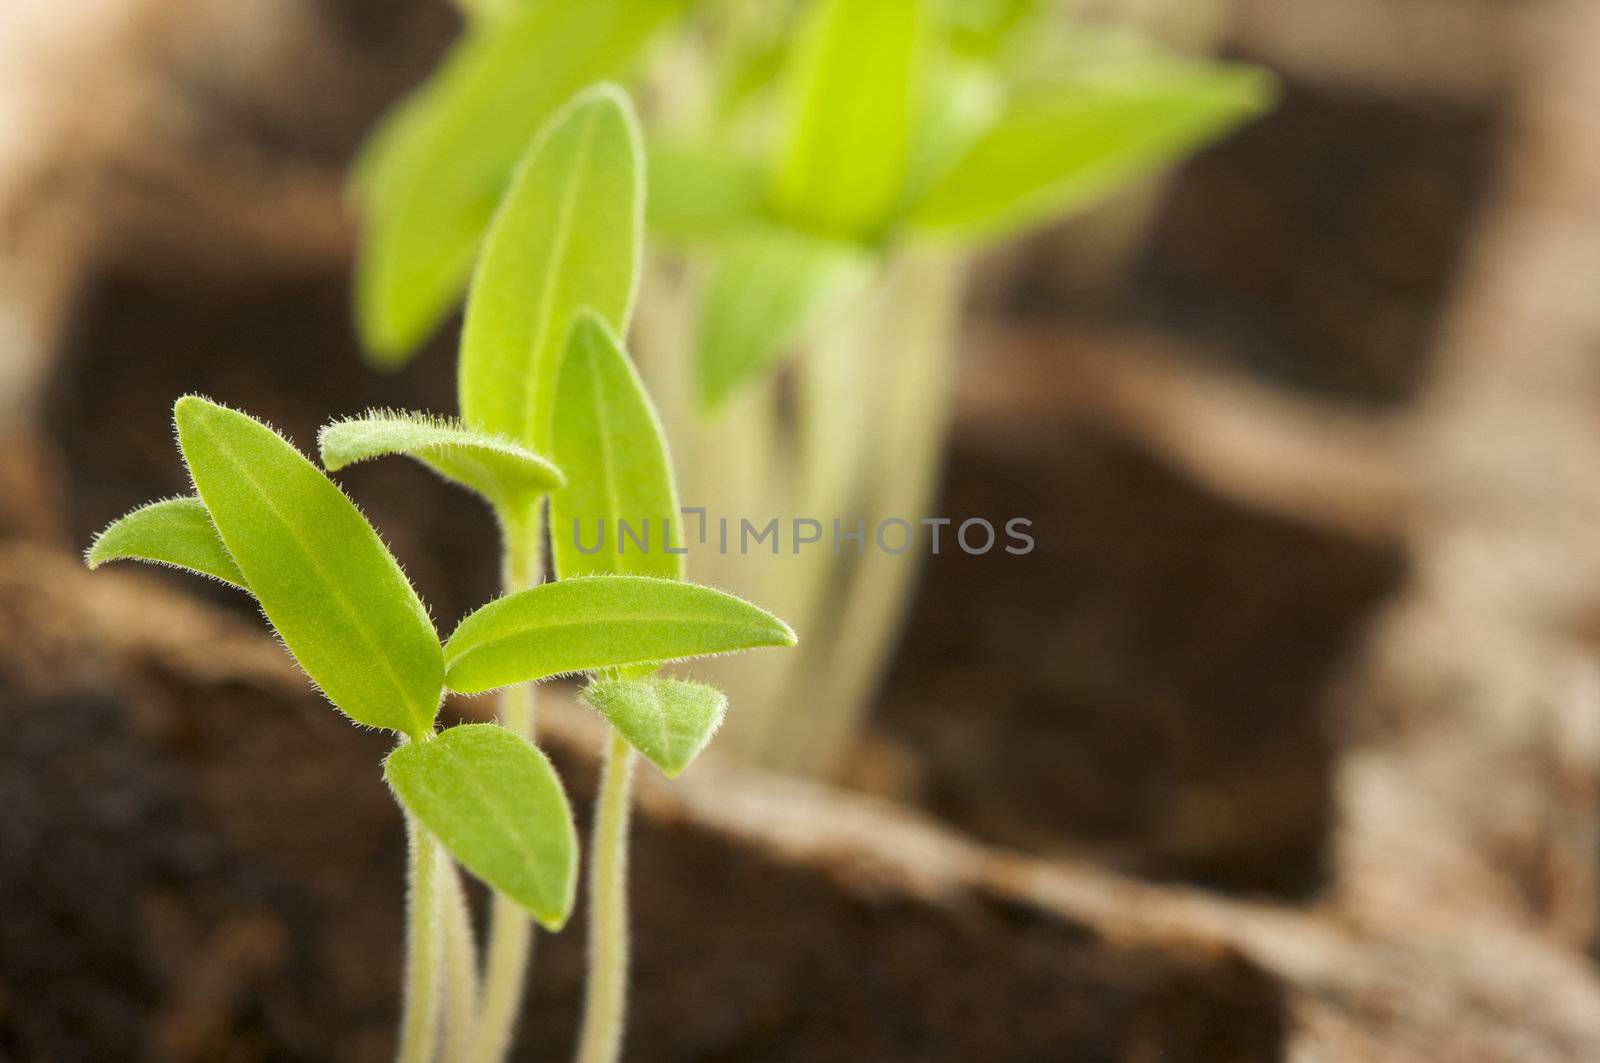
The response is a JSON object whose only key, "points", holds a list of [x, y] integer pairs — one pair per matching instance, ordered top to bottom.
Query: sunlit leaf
{"points": [[987, 28], [852, 95], [964, 98], [1060, 147], [429, 177], [700, 190], [567, 235], [768, 287], [506, 473], [620, 475], [175, 531], [322, 575], [590, 622], [669, 721], [495, 803]]}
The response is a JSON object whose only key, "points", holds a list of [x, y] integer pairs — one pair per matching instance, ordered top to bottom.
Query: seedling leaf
{"points": [[986, 28], [852, 94], [1058, 148], [429, 177], [700, 190], [567, 235], [769, 286], [608, 436], [508, 474], [174, 531], [323, 577], [590, 622], [669, 721], [496, 804]]}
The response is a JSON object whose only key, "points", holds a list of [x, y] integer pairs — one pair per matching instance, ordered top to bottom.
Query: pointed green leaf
{"points": [[852, 94], [1059, 148], [428, 179], [699, 190], [567, 235], [770, 285], [606, 428], [508, 474], [174, 531], [322, 575], [576, 625], [668, 720], [495, 803]]}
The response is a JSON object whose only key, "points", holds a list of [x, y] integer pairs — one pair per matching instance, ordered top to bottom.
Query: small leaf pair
{"points": [[268, 521]]}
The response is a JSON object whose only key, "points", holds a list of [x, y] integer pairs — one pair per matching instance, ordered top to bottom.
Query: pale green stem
{"points": [[898, 473], [510, 943], [460, 969], [606, 994], [419, 1024]]}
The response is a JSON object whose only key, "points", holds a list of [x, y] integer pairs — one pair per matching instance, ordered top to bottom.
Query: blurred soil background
{"points": [[1283, 743]]}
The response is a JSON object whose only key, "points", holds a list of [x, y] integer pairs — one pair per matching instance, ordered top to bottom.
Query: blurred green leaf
{"points": [[988, 28], [852, 96], [964, 99], [1058, 148], [429, 177], [700, 190], [567, 235], [768, 287], [607, 433], [509, 475], [175, 531], [323, 577], [590, 622], [668, 720], [495, 803]]}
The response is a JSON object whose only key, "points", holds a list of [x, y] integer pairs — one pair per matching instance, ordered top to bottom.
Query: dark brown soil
{"points": [[1147, 685], [214, 873]]}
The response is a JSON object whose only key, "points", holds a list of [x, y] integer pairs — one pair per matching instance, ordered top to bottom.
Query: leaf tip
{"points": [[606, 93], [192, 405], [554, 922]]}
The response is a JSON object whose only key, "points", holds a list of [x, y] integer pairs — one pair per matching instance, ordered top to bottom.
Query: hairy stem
{"points": [[510, 931], [460, 969], [606, 994], [419, 1025]]}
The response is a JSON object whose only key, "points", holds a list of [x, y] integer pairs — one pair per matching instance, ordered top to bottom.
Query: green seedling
{"points": [[543, 371], [266, 520]]}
